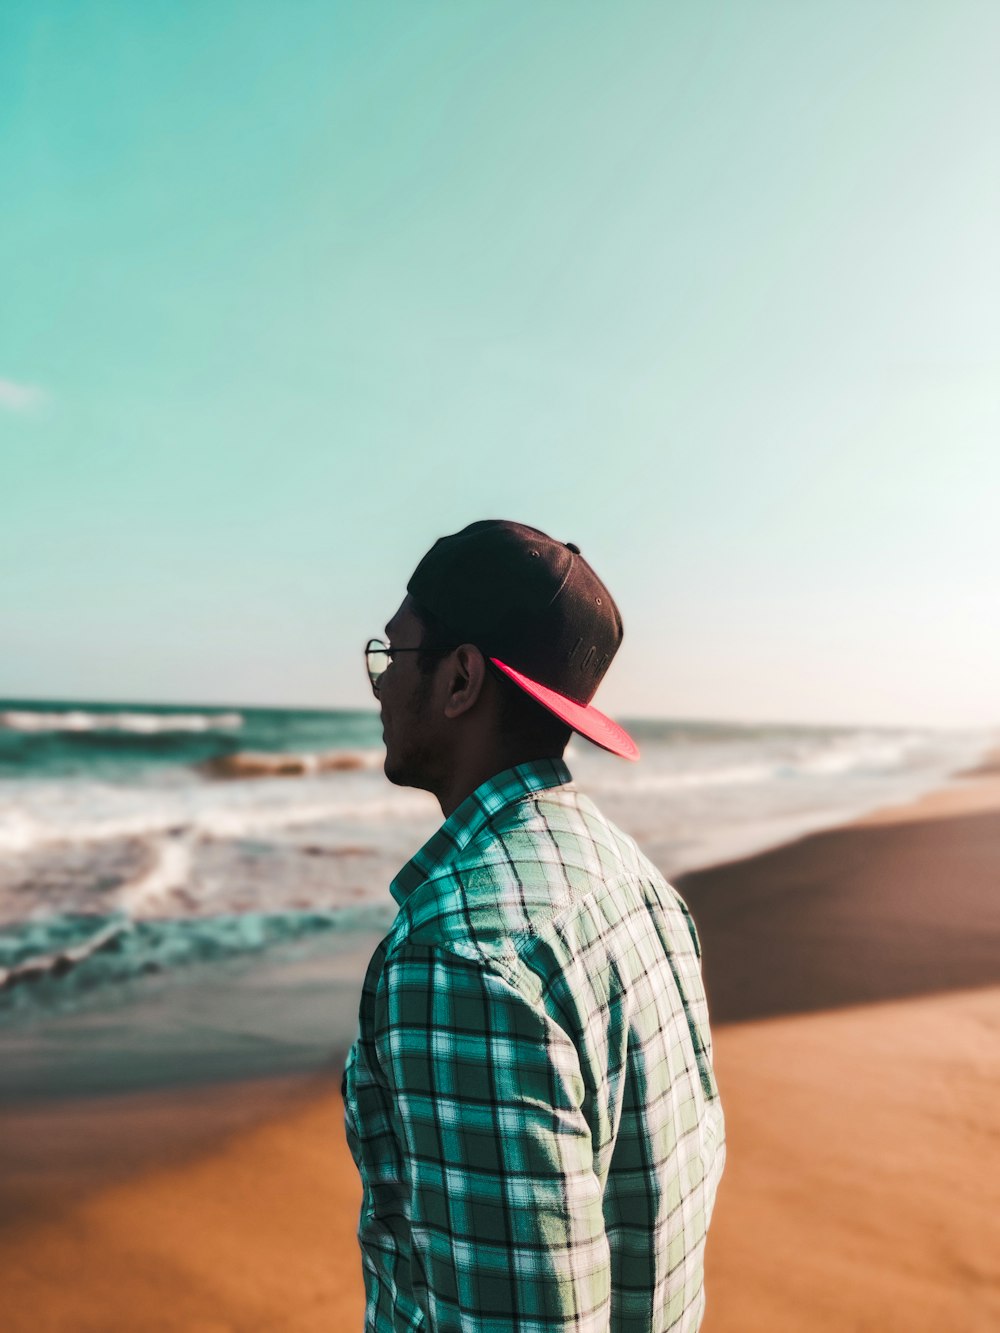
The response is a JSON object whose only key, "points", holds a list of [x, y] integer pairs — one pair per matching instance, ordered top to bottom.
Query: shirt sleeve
{"points": [[506, 1215]]}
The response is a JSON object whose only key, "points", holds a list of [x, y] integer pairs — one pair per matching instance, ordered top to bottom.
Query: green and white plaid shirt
{"points": [[530, 1101]]}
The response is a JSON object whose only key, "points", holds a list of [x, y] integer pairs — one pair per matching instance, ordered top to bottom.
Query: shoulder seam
{"points": [[488, 962]]}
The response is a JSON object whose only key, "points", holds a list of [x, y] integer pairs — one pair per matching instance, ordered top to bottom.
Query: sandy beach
{"points": [[854, 978]]}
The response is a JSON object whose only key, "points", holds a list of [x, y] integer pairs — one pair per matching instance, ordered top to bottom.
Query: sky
{"points": [[711, 290]]}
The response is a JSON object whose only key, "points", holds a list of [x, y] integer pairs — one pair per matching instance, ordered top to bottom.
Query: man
{"points": [[530, 1101]]}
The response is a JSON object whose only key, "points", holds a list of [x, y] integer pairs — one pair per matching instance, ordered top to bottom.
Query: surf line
{"points": [[55, 964]]}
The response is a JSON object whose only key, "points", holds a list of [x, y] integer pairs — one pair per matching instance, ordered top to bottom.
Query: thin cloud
{"points": [[17, 397]]}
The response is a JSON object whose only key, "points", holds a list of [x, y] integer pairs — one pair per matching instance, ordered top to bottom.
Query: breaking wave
{"points": [[135, 723], [25, 831], [61, 957]]}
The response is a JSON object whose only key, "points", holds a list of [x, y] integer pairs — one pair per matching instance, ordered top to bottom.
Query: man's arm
{"points": [[505, 1209]]}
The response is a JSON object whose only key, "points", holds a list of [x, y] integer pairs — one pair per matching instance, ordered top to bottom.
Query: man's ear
{"points": [[466, 674]]}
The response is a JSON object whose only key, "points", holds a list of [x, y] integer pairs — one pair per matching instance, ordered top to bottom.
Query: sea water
{"points": [[137, 840]]}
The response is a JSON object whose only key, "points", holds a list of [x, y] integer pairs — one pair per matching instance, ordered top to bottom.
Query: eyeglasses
{"points": [[378, 655]]}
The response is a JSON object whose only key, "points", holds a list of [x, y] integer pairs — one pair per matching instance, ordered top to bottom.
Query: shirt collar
{"points": [[468, 820]]}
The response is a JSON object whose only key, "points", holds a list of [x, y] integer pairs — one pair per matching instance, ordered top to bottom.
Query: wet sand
{"points": [[854, 977]]}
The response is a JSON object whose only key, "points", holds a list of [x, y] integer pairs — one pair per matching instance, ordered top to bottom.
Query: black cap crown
{"points": [[521, 597]]}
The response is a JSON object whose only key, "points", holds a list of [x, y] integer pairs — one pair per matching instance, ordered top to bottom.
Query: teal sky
{"points": [[712, 290]]}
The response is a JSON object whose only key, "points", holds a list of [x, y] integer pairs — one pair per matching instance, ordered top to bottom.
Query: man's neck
{"points": [[463, 779]]}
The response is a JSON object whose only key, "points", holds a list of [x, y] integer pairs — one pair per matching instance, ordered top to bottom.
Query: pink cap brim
{"points": [[584, 718]]}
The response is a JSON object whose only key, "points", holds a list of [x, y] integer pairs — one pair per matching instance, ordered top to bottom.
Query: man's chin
{"points": [[397, 773], [401, 774]]}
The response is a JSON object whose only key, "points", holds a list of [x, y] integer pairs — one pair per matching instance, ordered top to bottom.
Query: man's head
{"points": [[516, 632]]}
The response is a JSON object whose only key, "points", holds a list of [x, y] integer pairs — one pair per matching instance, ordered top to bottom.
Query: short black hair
{"points": [[524, 720]]}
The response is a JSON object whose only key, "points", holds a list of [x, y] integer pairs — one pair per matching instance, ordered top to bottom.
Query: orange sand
{"points": [[862, 1190], [255, 1233]]}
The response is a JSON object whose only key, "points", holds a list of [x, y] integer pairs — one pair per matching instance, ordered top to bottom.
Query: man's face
{"points": [[406, 696]]}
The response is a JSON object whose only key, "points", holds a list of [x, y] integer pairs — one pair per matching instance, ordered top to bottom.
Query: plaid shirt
{"points": [[530, 1100]]}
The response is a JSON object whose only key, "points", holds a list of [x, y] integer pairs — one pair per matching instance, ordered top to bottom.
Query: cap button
{"points": [[572, 546]]}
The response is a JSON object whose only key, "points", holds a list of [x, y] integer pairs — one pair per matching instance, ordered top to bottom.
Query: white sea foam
{"points": [[140, 724], [861, 752], [778, 760], [94, 812], [169, 872]]}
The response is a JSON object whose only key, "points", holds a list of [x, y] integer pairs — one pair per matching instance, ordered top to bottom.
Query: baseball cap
{"points": [[537, 610]]}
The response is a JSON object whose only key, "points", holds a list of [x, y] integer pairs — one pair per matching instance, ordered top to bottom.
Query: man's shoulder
{"points": [[529, 864]]}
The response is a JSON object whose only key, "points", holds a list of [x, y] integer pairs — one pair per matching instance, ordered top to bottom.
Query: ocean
{"points": [[137, 840]]}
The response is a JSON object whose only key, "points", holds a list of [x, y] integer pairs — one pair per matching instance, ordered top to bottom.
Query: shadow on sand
{"points": [[851, 916]]}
